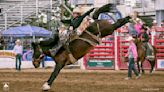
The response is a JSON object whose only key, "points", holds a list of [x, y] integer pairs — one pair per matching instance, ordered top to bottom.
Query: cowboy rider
{"points": [[77, 18], [74, 23], [145, 39]]}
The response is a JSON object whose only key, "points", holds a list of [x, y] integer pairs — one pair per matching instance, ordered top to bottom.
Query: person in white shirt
{"points": [[18, 50]]}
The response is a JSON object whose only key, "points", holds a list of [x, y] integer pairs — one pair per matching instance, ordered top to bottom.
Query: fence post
{"points": [[37, 8], [21, 11], [5, 21], [152, 37], [154, 41], [116, 50]]}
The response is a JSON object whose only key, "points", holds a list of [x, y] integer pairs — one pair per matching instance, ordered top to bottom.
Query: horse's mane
{"points": [[84, 24]]}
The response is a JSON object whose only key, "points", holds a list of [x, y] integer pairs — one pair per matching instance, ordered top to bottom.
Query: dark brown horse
{"points": [[78, 47], [142, 56]]}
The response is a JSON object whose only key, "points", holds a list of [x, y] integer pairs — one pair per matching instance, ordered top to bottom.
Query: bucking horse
{"points": [[78, 46]]}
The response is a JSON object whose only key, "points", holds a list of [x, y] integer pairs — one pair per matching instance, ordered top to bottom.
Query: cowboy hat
{"points": [[77, 10], [130, 38], [18, 41]]}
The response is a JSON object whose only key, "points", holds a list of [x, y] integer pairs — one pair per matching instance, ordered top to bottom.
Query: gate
{"points": [[159, 44], [122, 46], [109, 54], [102, 56]]}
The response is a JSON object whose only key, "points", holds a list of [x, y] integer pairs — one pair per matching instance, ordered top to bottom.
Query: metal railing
{"points": [[17, 14]]}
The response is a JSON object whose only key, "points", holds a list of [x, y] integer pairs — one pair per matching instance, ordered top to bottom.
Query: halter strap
{"points": [[98, 29], [97, 38]]}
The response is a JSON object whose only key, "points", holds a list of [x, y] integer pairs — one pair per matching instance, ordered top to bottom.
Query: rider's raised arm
{"points": [[68, 21], [77, 21]]}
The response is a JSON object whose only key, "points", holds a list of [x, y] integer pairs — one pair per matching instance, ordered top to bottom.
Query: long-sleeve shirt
{"points": [[77, 21], [138, 27], [18, 49], [132, 51]]}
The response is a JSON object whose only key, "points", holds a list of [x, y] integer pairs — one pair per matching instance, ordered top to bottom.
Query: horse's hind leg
{"points": [[152, 63], [54, 74]]}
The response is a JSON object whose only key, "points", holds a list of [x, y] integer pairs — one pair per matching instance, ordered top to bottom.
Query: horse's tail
{"points": [[105, 8]]}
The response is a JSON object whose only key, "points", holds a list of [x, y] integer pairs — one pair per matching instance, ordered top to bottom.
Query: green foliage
{"points": [[66, 13]]}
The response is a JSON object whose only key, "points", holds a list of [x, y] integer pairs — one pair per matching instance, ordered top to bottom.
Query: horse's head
{"points": [[37, 55]]}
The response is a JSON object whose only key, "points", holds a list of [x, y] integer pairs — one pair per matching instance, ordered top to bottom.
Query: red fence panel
{"points": [[159, 44], [122, 50], [110, 52], [102, 56]]}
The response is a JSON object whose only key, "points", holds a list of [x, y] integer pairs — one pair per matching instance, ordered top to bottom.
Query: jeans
{"points": [[18, 61], [43, 62], [131, 68]]}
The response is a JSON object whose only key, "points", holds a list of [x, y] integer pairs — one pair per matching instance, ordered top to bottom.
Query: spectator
{"points": [[42, 17], [2, 42], [10, 45], [18, 50], [132, 58], [43, 62]]}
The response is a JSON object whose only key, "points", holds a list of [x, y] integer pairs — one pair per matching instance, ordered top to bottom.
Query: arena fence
{"points": [[159, 44], [109, 54], [102, 56]]}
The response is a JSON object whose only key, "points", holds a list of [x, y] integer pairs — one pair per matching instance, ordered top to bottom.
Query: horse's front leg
{"points": [[152, 63], [138, 65], [54, 74]]}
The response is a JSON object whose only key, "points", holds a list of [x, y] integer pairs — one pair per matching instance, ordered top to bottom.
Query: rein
{"points": [[98, 27], [97, 38]]}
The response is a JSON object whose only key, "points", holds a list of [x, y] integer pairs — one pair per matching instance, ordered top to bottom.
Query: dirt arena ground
{"points": [[76, 80]]}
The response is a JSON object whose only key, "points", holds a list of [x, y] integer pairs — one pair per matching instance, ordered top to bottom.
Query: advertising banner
{"points": [[100, 64], [160, 64]]}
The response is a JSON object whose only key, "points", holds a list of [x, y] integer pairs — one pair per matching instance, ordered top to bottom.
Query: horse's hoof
{"points": [[36, 64], [151, 72], [45, 87]]}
